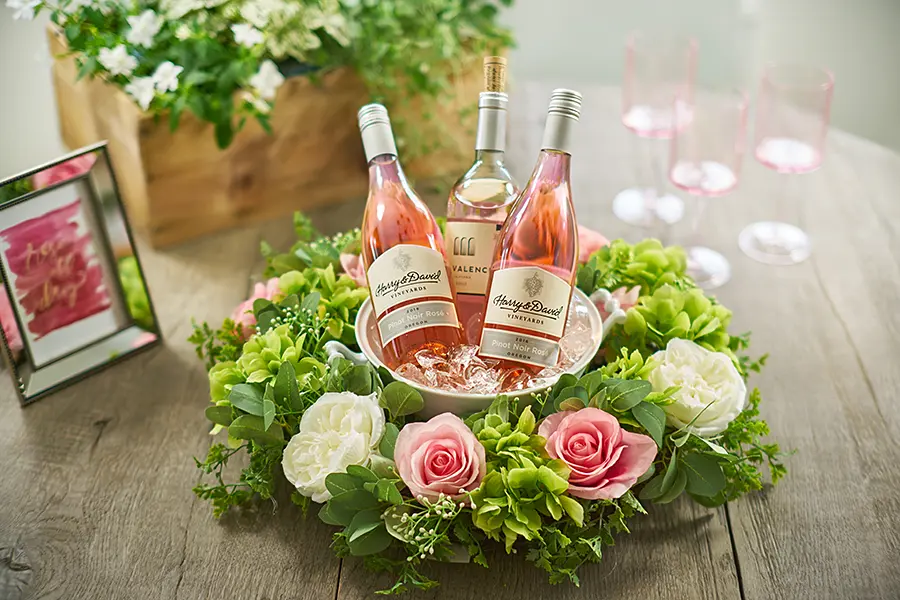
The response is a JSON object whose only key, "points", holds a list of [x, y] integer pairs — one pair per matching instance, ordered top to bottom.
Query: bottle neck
{"points": [[491, 132], [558, 132], [490, 157], [552, 168], [384, 171]]}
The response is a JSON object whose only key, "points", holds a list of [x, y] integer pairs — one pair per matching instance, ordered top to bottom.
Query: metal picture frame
{"points": [[74, 298]]}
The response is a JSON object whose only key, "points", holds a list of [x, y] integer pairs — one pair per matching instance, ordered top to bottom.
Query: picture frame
{"points": [[74, 298]]}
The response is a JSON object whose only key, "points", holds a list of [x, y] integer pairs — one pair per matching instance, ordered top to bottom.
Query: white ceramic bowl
{"points": [[439, 401]]}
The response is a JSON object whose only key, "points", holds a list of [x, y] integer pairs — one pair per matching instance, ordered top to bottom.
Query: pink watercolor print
{"points": [[58, 280]]}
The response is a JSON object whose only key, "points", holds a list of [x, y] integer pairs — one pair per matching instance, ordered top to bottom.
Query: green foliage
{"points": [[401, 49], [13, 190], [646, 264], [135, 293], [217, 345], [523, 487], [565, 546]]}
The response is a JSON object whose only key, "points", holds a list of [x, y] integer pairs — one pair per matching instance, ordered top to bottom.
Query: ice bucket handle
{"points": [[605, 301], [336, 350]]}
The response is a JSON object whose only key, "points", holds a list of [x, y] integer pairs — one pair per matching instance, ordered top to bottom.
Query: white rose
{"points": [[712, 390], [339, 430]]}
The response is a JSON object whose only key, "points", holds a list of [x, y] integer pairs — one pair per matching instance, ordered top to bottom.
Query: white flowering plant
{"points": [[224, 60], [663, 412]]}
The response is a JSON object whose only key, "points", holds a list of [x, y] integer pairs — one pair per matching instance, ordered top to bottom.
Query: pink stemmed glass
{"points": [[658, 67], [791, 125], [705, 161]]}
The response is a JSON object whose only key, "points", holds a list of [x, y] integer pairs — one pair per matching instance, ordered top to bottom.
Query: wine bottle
{"points": [[479, 202], [403, 253], [534, 266]]}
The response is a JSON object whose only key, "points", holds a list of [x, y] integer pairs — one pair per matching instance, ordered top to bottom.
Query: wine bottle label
{"points": [[471, 249], [410, 290], [529, 300]]}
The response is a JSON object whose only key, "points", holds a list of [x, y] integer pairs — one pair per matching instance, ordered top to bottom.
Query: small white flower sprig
{"points": [[425, 525]]}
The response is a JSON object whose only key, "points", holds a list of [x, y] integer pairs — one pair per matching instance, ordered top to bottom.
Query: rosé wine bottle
{"points": [[479, 203], [403, 253], [534, 266]]}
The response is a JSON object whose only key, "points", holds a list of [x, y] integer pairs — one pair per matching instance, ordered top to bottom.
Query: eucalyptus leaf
{"points": [[311, 302], [360, 380], [624, 394], [248, 398], [400, 399], [268, 412], [220, 415], [653, 419], [250, 427], [388, 441], [360, 472], [704, 474], [338, 483], [675, 490], [386, 491], [330, 516], [372, 542]]}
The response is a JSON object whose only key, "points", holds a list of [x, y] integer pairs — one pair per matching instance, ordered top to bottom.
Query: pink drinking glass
{"points": [[658, 67], [791, 124], [705, 161]]}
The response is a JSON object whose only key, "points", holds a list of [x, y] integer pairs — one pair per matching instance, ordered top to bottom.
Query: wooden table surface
{"points": [[95, 481]]}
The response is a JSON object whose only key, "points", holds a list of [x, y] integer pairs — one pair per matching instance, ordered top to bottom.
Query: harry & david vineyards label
{"points": [[410, 291], [525, 301]]}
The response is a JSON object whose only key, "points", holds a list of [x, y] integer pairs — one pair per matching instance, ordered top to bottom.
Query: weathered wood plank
{"points": [[830, 530]]}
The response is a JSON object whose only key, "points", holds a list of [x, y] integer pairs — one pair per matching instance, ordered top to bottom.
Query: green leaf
{"points": [[87, 68], [175, 112], [224, 133], [311, 302], [261, 304], [359, 380], [592, 382], [286, 391], [624, 394], [248, 398], [400, 399], [268, 412], [220, 415], [652, 418], [250, 427], [388, 441], [719, 451], [362, 473], [704, 474], [669, 475], [338, 483], [653, 489], [386, 491], [674, 491], [354, 501], [573, 508], [329, 515], [362, 523], [373, 541]]}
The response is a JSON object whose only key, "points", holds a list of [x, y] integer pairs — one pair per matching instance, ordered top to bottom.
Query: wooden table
{"points": [[95, 481]]}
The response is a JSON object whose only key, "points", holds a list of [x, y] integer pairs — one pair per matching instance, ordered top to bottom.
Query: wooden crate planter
{"points": [[179, 185]]}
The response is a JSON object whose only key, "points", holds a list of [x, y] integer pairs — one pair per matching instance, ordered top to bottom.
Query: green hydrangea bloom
{"points": [[647, 264], [674, 313], [264, 353], [221, 379], [522, 485]]}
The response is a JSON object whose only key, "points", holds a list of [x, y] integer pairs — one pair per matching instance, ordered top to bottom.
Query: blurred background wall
{"points": [[570, 41]]}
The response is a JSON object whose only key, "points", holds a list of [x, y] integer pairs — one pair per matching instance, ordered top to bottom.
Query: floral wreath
{"points": [[664, 411]]}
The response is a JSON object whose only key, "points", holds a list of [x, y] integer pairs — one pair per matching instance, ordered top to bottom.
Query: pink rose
{"points": [[64, 171], [589, 241], [353, 266], [627, 299], [243, 314], [8, 322], [441, 456], [605, 459]]}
